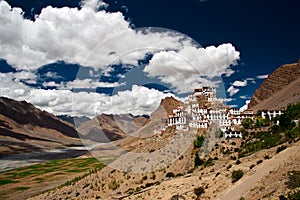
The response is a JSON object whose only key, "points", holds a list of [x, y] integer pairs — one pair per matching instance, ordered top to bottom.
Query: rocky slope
{"points": [[281, 78], [25, 128], [106, 128]]}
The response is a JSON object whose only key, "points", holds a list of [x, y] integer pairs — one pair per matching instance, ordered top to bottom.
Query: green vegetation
{"points": [[260, 122], [247, 123], [286, 131], [199, 141], [202, 162], [59, 166], [236, 175], [17, 179], [294, 179], [5, 181], [113, 185], [22, 188], [291, 196]]}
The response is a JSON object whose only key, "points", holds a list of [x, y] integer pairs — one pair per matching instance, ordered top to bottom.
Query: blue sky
{"points": [[97, 53]]}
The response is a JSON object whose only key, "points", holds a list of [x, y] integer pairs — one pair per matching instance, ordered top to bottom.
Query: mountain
{"points": [[280, 89], [166, 107], [76, 121], [25, 128], [106, 128]]}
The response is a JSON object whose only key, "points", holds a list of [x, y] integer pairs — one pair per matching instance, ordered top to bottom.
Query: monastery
{"points": [[203, 108]]}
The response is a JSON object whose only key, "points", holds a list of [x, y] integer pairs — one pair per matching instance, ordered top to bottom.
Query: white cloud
{"points": [[93, 4], [82, 36], [192, 67], [262, 76], [252, 80], [88, 83], [240, 83], [51, 84], [232, 90], [244, 97], [228, 99], [139, 100]]}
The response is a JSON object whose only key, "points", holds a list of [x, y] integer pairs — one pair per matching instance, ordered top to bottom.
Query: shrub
{"points": [[199, 141], [281, 148], [267, 157], [198, 161], [208, 162], [238, 162], [258, 162], [229, 166], [251, 166], [170, 175], [236, 175], [153, 176], [294, 179], [113, 185], [199, 190], [282, 197]]}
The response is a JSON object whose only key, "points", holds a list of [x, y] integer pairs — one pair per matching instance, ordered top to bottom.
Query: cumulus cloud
{"points": [[94, 4], [83, 36], [192, 66], [262, 76], [88, 83], [240, 83], [232, 90], [244, 97], [139, 100]]}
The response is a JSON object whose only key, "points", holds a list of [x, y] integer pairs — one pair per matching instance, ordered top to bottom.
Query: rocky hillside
{"points": [[281, 78], [25, 128], [106, 128]]}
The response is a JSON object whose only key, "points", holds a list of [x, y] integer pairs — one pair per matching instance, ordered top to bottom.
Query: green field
{"points": [[33, 179]]}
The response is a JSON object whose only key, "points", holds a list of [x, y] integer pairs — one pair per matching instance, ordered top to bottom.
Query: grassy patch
{"points": [[40, 172], [6, 181], [22, 188]]}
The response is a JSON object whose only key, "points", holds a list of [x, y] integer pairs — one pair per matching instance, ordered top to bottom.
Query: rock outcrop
{"points": [[277, 81]]}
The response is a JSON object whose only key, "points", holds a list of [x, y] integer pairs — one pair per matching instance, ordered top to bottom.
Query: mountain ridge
{"points": [[281, 78]]}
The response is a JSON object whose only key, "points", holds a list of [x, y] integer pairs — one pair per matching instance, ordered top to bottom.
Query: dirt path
{"points": [[248, 182]]}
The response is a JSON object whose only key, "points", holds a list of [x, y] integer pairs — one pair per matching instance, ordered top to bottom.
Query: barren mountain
{"points": [[279, 89], [76, 121], [25, 128], [106, 128]]}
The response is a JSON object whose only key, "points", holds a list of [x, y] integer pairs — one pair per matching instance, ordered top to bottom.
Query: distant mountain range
{"points": [[280, 89], [25, 128]]}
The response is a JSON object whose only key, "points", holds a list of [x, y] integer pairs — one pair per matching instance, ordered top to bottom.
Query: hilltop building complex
{"points": [[204, 108]]}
